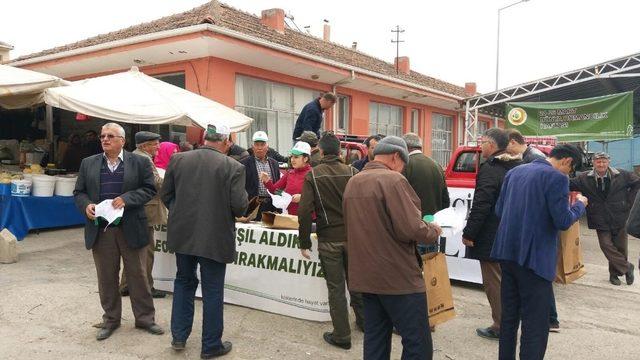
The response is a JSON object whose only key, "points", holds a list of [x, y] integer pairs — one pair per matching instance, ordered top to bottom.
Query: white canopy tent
{"points": [[20, 88], [133, 97]]}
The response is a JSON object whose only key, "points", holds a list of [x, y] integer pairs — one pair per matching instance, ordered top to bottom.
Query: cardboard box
{"points": [[279, 221], [570, 264], [439, 295]]}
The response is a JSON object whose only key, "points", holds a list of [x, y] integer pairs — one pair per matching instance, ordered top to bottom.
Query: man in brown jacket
{"points": [[147, 144], [322, 193], [384, 225]]}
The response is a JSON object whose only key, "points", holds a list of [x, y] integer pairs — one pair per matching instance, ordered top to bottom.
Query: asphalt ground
{"points": [[49, 302]]}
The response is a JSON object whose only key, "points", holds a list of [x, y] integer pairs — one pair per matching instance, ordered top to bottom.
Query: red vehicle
{"points": [[352, 147], [465, 161]]}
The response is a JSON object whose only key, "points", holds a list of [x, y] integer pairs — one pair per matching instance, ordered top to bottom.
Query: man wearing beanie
{"points": [[147, 144], [322, 193], [384, 225]]}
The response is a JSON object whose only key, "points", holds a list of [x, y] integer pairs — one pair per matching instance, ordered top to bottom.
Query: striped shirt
{"points": [[263, 166]]}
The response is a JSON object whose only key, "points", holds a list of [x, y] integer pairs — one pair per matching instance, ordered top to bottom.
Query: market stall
{"points": [[129, 97], [269, 273]]}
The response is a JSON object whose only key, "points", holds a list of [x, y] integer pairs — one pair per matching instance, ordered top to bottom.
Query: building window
{"points": [[273, 107], [343, 114], [385, 119], [415, 121], [482, 127], [441, 138]]}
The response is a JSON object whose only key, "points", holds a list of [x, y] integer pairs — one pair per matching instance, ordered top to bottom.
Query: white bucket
{"points": [[43, 185], [65, 185], [20, 187]]}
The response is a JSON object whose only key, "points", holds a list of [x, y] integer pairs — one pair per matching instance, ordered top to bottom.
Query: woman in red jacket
{"points": [[291, 182]]}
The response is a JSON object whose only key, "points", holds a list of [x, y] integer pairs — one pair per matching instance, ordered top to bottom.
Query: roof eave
{"points": [[235, 34]]}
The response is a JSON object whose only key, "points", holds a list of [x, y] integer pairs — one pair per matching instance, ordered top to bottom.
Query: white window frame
{"points": [[376, 124], [441, 138]]}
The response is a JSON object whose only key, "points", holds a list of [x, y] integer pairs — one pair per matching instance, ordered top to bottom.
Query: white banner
{"points": [[460, 268], [269, 273]]}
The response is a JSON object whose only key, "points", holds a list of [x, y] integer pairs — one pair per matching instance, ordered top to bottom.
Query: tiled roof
{"points": [[226, 16], [5, 45]]}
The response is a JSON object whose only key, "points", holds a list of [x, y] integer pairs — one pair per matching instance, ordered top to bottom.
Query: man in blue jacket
{"points": [[310, 118], [533, 206]]}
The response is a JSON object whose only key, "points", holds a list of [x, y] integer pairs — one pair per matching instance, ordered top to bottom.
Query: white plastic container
{"points": [[43, 185], [65, 185], [20, 187]]}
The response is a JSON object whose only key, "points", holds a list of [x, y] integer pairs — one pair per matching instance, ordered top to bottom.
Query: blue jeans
{"points": [[184, 292], [525, 297], [408, 313], [553, 315]]}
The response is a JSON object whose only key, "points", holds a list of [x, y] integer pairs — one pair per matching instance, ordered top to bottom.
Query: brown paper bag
{"points": [[252, 210], [279, 221], [570, 264], [439, 296]]}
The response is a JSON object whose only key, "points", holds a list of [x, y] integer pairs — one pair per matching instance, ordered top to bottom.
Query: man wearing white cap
{"points": [[256, 164], [204, 192]]}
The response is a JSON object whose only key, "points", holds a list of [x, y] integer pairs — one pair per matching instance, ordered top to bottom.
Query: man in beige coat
{"points": [[147, 144], [384, 224]]}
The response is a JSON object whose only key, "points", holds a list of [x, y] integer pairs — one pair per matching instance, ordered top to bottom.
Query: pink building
{"points": [[260, 66]]}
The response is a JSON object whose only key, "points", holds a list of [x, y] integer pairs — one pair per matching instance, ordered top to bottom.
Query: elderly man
{"points": [[311, 115], [312, 139], [370, 143], [147, 144], [255, 164], [425, 177], [127, 180], [204, 191], [611, 194], [322, 195], [533, 206], [482, 223], [384, 224]]}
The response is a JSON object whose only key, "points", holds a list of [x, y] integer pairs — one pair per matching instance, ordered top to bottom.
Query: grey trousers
{"points": [[107, 251]]}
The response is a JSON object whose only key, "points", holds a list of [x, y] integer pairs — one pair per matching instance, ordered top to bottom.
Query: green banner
{"points": [[601, 118]]}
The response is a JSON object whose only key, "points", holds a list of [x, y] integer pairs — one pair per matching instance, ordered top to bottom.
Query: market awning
{"points": [[20, 88], [133, 97]]}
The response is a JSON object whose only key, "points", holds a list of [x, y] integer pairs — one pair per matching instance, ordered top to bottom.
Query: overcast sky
{"points": [[453, 40]]}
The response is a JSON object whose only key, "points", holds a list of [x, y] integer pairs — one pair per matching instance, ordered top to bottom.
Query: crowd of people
{"points": [[368, 217]]}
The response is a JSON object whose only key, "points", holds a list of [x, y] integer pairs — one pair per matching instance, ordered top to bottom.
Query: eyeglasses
{"points": [[109, 136]]}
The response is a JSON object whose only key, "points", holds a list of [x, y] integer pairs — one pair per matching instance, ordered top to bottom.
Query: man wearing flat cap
{"points": [[312, 139], [147, 144], [611, 193], [384, 224]]}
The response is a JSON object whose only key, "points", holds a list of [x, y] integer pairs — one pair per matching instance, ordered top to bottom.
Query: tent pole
{"points": [[49, 124]]}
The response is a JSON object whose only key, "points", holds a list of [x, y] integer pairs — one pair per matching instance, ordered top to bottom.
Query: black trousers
{"points": [[525, 297], [408, 314]]}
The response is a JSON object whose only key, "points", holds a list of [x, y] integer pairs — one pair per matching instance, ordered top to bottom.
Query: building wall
{"points": [[215, 78]]}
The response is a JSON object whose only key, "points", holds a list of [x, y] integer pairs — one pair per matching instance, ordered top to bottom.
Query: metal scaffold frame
{"points": [[492, 104]]}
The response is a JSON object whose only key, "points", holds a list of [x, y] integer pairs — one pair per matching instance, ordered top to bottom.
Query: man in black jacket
{"points": [[310, 118], [258, 163], [611, 192], [482, 224]]}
